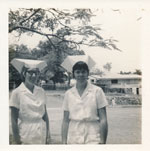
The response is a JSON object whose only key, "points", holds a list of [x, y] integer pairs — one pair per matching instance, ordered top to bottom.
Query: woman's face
{"points": [[81, 75], [32, 76]]}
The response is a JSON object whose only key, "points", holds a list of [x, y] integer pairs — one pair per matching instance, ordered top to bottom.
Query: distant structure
{"points": [[130, 83]]}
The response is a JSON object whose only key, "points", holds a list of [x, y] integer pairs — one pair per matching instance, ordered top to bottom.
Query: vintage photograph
{"points": [[75, 75]]}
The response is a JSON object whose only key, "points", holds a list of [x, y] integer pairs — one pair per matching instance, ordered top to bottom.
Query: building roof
{"points": [[117, 76]]}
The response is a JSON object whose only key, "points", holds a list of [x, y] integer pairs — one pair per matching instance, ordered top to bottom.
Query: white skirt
{"points": [[33, 132], [83, 132]]}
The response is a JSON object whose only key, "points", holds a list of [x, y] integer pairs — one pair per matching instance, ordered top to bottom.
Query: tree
{"points": [[68, 26], [65, 30], [17, 51], [57, 55], [54, 58], [107, 66], [96, 71], [122, 72], [138, 72], [13, 74]]}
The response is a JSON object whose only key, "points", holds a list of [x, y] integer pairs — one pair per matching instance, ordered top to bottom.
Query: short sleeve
{"points": [[101, 99], [14, 100], [65, 102]]}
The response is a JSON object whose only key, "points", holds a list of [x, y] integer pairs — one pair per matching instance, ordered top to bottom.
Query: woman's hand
{"points": [[46, 119], [103, 125], [65, 126], [15, 128], [48, 138]]}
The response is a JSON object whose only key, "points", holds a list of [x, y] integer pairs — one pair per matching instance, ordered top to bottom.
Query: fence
{"points": [[57, 86], [65, 86]]}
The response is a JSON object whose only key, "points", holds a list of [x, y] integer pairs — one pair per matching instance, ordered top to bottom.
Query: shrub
{"points": [[125, 100]]}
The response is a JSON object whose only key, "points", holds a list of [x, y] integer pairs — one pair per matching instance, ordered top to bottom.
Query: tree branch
{"points": [[29, 16], [58, 19], [50, 42]]}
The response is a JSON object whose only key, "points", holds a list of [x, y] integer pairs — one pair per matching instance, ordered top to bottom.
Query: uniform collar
{"points": [[23, 88], [87, 89]]}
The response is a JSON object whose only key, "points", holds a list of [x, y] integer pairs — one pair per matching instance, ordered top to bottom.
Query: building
{"points": [[129, 83]]}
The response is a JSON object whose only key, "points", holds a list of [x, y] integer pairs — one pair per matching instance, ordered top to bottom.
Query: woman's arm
{"points": [[46, 119], [14, 123], [103, 124], [65, 125]]}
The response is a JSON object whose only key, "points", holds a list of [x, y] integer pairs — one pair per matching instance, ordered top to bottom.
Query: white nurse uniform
{"points": [[84, 127], [32, 128]]}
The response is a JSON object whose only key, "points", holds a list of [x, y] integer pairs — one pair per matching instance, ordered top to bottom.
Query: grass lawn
{"points": [[124, 122], [124, 125]]}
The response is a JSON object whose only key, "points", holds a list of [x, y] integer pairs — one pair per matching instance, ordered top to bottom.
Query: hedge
{"points": [[125, 100]]}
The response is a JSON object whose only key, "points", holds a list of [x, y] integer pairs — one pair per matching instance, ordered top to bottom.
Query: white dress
{"points": [[84, 127], [32, 128]]}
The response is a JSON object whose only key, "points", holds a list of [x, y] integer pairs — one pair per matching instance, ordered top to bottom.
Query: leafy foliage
{"points": [[68, 26], [65, 30], [16, 51], [54, 58], [107, 66], [96, 71], [137, 71]]}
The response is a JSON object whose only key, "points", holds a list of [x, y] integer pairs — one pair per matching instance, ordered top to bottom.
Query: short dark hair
{"points": [[80, 65], [23, 73]]}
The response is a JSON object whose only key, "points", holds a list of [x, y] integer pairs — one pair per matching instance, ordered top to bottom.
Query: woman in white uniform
{"points": [[29, 119], [85, 119]]}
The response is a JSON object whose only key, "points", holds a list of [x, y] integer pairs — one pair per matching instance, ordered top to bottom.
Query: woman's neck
{"points": [[81, 85], [29, 86]]}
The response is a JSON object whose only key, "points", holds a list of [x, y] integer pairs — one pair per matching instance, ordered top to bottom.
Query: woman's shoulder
{"points": [[95, 87], [17, 89], [70, 90]]}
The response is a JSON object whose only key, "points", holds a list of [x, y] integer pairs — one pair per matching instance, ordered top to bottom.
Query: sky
{"points": [[123, 25]]}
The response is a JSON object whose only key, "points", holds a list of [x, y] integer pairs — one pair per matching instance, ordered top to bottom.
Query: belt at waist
{"points": [[84, 120]]}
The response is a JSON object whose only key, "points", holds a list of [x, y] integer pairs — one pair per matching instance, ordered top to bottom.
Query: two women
{"points": [[29, 119], [85, 119]]}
